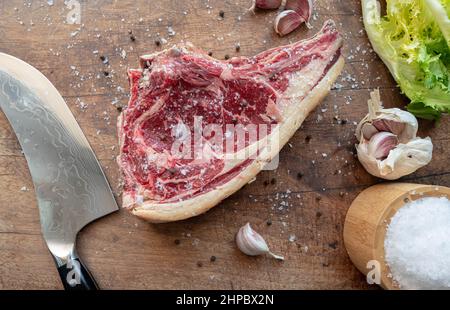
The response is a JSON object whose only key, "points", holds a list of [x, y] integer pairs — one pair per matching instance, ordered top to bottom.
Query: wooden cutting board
{"points": [[305, 199]]}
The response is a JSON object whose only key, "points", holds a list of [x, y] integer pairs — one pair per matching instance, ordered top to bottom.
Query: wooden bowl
{"points": [[367, 219]]}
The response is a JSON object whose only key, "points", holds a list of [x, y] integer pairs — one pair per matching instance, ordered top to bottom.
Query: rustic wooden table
{"points": [[305, 199]]}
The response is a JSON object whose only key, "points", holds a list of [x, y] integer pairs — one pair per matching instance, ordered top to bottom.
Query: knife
{"points": [[70, 186]]}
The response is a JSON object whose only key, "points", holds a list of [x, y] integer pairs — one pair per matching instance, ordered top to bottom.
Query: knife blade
{"points": [[70, 185]]}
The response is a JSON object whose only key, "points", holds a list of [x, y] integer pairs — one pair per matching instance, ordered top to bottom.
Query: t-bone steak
{"points": [[197, 129]]}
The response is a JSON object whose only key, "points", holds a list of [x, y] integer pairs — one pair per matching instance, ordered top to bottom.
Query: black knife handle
{"points": [[75, 276]]}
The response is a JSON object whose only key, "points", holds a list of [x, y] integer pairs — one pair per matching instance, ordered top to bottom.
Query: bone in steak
{"points": [[179, 93]]}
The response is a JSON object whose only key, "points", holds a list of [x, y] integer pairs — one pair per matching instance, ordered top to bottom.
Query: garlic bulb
{"points": [[388, 146], [251, 243]]}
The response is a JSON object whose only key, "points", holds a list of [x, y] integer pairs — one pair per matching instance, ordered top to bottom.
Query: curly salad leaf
{"points": [[413, 40]]}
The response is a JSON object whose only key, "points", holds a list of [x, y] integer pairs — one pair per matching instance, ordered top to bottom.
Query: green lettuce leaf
{"points": [[413, 40]]}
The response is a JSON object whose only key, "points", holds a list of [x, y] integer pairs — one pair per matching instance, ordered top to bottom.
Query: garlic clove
{"points": [[266, 4], [302, 8], [287, 21], [389, 125], [368, 130], [381, 144], [407, 158], [252, 243]]}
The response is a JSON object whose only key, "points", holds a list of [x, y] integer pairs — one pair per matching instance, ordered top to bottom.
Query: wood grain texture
{"points": [[124, 252]]}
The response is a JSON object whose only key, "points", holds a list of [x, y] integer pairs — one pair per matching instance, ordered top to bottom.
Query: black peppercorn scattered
{"points": [[222, 14], [132, 38], [157, 42], [238, 47], [210, 54], [227, 57], [104, 59], [105, 73], [119, 109], [308, 138], [299, 175], [273, 181], [266, 183], [318, 198], [318, 214], [269, 222], [177, 241], [333, 245], [213, 258], [199, 264]]}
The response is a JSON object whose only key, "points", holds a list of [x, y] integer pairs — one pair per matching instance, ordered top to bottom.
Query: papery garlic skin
{"points": [[388, 144], [403, 160], [252, 243]]}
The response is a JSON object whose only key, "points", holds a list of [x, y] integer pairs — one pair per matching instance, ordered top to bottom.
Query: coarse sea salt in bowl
{"points": [[397, 234]]}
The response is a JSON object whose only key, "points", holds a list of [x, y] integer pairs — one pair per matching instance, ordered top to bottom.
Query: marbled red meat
{"points": [[176, 87]]}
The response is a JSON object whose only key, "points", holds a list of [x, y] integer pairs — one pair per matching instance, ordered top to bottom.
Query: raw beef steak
{"points": [[197, 129]]}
